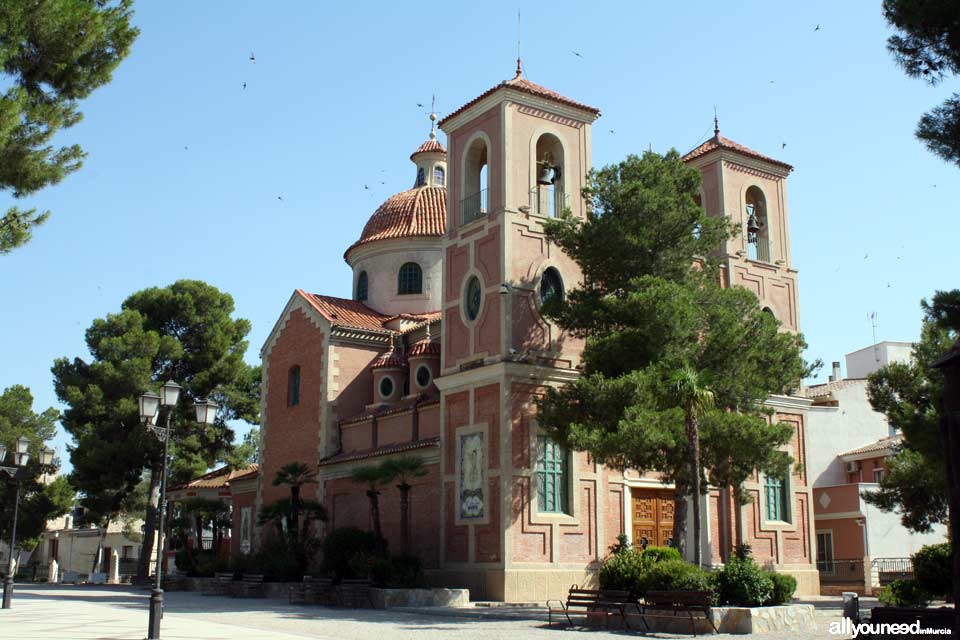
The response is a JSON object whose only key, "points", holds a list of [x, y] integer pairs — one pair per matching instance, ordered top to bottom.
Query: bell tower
{"points": [[518, 155]]}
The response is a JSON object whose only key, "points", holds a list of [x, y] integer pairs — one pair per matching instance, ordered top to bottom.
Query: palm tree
{"points": [[695, 399], [404, 469], [295, 475], [374, 476]]}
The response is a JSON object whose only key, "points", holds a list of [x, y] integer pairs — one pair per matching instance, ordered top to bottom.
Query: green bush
{"points": [[621, 545], [341, 546], [656, 554], [199, 564], [932, 568], [622, 570], [395, 572], [673, 575], [742, 583], [784, 586], [904, 593]]}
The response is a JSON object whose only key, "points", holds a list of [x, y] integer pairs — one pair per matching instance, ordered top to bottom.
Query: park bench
{"points": [[175, 583], [251, 585], [219, 586], [312, 590], [353, 593], [593, 603], [674, 604]]}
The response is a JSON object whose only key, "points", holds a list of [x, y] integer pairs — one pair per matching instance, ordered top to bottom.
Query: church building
{"points": [[442, 350]]}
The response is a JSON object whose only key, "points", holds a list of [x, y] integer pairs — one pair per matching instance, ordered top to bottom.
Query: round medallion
{"points": [[473, 296], [423, 376], [386, 387]]}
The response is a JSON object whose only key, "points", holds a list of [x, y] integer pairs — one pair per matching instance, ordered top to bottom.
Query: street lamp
{"points": [[150, 404], [18, 473]]}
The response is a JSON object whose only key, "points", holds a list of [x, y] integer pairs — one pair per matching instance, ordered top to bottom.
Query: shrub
{"points": [[621, 545], [341, 546], [656, 554], [932, 568], [622, 570], [384, 571], [673, 575], [742, 583], [783, 587], [904, 593]]}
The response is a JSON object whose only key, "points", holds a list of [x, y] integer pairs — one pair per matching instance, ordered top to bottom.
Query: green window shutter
{"points": [[552, 477]]}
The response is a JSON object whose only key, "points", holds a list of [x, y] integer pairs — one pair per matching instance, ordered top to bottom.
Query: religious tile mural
{"points": [[472, 498], [246, 522]]}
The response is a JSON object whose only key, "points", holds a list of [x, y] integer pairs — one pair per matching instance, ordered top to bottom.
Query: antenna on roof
{"points": [[519, 66], [433, 117], [716, 123], [876, 346]]}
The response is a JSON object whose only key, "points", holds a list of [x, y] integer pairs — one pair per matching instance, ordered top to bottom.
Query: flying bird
{"points": [[817, 28], [576, 53], [253, 58], [244, 85], [420, 104], [613, 132], [783, 145], [186, 148], [366, 187], [280, 198], [866, 255], [888, 285]]}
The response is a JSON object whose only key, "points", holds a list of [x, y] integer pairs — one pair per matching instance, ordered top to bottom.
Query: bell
{"points": [[545, 170]]}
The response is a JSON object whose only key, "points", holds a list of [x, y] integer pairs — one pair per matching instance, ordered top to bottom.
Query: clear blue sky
{"points": [[331, 101]]}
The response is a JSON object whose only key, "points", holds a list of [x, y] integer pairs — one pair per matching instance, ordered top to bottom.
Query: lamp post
{"points": [[150, 404], [18, 473]]}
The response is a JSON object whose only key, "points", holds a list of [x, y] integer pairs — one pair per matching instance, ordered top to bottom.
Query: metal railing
{"points": [[547, 202], [473, 207], [890, 569], [841, 570]]}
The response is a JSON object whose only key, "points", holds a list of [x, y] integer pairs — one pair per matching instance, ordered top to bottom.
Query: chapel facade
{"points": [[442, 351]]}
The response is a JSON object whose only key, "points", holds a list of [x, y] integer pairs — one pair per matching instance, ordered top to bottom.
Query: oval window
{"points": [[551, 285], [473, 296], [423, 376], [386, 387]]}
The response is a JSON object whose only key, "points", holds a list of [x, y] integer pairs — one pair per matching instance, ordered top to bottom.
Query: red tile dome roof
{"points": [[430, 146], [415, 213], [425, 347], [390, 359]]}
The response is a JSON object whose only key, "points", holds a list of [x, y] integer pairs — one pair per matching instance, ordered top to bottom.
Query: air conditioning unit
{"points": [[853, 466]]}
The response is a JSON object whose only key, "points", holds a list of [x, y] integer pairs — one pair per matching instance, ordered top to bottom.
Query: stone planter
{"points": [[389, 598], [737, 620]]}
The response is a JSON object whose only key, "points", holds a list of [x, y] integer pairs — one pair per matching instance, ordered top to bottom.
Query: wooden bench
{"points": [[175, 583], [219, 586], [249, 586], [312, 591], [353, 593], [593, 603], [656, 604]]}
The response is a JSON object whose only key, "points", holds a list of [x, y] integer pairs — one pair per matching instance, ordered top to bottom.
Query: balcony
{"points": [[548, 201], [473, 207]]}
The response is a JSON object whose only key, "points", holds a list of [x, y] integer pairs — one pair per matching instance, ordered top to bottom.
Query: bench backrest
{"points": [[222, 576], [253, 577], [679, 598]]}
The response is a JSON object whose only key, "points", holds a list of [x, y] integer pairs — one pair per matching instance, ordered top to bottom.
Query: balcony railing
{"points": [[548, 202], [473, 207], [890, 569], [845, 571]]}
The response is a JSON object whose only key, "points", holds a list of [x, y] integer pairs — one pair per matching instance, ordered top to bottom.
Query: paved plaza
{"points": [[56, 612]]}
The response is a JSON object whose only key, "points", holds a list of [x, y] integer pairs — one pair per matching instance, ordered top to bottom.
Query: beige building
{"points": [[68, 553]]}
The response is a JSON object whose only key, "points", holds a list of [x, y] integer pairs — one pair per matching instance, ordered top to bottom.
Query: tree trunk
{"points": [[693, 435], [295, 509], [375, 516], [737, 516], [680, 517], [404, 518], [150, 527]]}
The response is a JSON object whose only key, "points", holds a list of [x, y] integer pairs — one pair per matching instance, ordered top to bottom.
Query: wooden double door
{"points": [[652, 515]]}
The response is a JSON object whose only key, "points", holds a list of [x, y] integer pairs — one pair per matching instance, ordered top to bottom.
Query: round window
{"points": [[551, 285], [473, 296], [423, 376], [386, 387]]}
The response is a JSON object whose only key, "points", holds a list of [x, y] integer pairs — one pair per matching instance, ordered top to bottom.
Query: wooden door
{"points": [[652, 516]]}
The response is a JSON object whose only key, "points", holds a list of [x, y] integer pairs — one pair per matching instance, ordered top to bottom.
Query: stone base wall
{"points": [[808, 578], [526, 585], [389, 598], [733, 620]]}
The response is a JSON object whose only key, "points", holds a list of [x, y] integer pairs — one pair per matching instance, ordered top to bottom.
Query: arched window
{"points": [[421, 177], [439, 177], [546, 196], [474, 203], [758, 237], [410, 279], [551, 285], [362, 286], [424, 376], [293, 386], [386, 387]]}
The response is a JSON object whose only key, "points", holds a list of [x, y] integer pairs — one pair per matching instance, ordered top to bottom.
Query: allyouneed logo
{"points": [[846, 627]]}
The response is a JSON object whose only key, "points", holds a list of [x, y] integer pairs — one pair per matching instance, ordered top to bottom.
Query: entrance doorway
{"points": [[652, 517]]}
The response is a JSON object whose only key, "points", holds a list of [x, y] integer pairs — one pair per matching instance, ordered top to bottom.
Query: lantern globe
{"points": [[171, 393], [149, 405], [206, 411], [22, 444], [46, 456]]}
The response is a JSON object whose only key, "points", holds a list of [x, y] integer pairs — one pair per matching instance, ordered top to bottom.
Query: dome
{"points": [[430, 146], [415, 213], [390, 359]]}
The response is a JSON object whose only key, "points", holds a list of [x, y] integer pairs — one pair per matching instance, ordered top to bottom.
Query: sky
{"points": [[258, 190]]}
